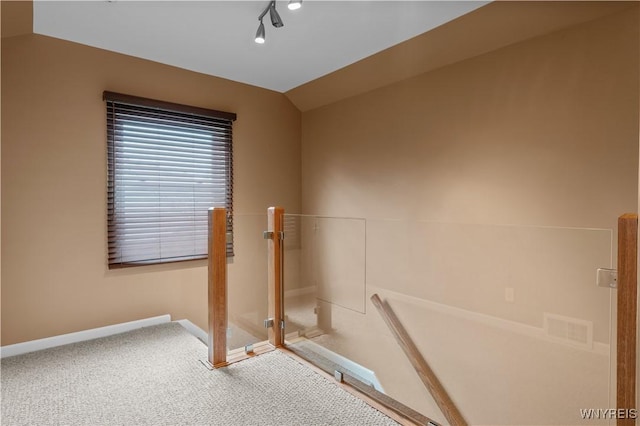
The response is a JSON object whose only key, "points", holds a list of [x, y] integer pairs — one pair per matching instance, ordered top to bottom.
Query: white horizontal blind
{"points": [[166, 168]]}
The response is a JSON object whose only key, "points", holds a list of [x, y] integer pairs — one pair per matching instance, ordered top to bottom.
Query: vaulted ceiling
{"points": [[217, 37], [326, 51]]}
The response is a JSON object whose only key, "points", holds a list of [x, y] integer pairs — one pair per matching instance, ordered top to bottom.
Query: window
{"points": [[167, 165]]}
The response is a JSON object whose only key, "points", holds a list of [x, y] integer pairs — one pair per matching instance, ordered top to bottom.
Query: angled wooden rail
{"points": [[627, 316], [439, 394]]}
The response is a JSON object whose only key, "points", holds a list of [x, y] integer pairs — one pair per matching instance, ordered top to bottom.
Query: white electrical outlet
{"points": [[509, 294]]}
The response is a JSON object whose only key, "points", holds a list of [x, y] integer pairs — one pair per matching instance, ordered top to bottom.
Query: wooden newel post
{"points": [[275, 230], [217, 249], [627, 315]]}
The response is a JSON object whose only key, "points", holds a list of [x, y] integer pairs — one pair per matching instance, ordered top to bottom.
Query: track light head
{"points": [[294, 4], [276, 21], [260, 34]]}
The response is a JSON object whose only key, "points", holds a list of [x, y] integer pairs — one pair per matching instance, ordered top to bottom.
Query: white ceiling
{"points": [[216, 37]]}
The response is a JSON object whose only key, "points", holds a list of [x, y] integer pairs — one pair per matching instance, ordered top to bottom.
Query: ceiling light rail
{"points": [[276, 20]]}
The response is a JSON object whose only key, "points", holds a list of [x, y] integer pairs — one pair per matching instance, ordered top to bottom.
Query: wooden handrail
{"points": [[275, 225], [217, 287], [627, 315], [437, 391]]}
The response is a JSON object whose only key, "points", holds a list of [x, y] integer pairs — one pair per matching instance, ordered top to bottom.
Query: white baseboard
{"points": [[491, 321], [194, 329], [79, 336], [369, 376]]}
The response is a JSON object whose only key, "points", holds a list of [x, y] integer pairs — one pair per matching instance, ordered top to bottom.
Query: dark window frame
{"points": [[211, 176]]}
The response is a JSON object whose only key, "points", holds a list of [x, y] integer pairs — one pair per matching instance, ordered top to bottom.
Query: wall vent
{"points": [[569, 330]]}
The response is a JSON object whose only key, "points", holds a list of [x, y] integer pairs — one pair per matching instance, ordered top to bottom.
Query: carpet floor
{"points": [[153, 376]]}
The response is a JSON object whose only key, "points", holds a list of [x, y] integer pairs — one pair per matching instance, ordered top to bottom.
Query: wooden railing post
{"points": [[275, 228], [217, 289], [627, 316], [428, 377]]}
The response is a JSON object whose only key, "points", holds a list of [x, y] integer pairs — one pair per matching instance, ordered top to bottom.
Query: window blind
{"points": [[167, 165]]}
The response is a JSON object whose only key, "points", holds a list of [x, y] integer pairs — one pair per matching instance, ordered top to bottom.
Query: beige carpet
{"points": [[153, 376]]}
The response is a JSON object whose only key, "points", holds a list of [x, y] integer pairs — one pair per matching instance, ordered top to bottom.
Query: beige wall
{"points": [[18, 18], [542, 132], [539, 134], [54, 277]]}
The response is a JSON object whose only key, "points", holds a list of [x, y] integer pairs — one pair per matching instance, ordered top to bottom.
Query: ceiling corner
{"points": [[490, 27]]}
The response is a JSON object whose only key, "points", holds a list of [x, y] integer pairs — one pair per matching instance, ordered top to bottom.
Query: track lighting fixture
{"points": [[294, 4], [276, 21], [260, 33]]}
